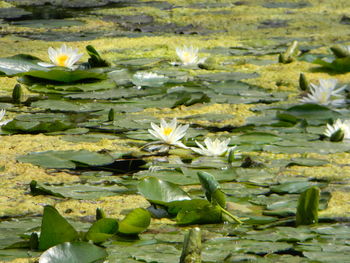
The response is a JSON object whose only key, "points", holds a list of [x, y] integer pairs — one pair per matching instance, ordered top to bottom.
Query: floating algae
{"points": [[280, 154]]}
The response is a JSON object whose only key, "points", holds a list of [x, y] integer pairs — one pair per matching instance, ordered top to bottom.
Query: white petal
{"points": [[52, 54], [46, 65], [2, 113], [5, 122], [154, 133], [180, 144], [200, 146]]}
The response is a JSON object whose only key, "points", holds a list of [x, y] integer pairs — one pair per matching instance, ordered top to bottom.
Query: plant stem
{"points": [[236, 219]]}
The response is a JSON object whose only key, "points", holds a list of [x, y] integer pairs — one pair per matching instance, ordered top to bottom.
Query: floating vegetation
{"points": [[170, 120]]}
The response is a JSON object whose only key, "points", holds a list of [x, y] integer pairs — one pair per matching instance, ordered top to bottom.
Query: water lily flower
{"points": [[347, 48], [189, 55], [62, 57], [148, 79], [325, 94], [2, 114], [344, 126], [169, 133], [213, 147]]}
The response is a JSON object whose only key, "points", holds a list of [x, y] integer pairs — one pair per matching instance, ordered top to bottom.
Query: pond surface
{"points": [[80, 140]]}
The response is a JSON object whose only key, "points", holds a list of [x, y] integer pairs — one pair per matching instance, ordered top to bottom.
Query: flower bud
{"points": [[340, 51], [303, 82], [17, 94], [111, 115], [337, 136]]}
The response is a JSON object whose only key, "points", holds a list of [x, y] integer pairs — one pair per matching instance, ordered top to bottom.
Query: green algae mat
{"points": [[174, 131]]}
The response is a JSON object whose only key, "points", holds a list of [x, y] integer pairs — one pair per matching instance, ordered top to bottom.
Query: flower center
{"points": [[187, 57], [61, 60], [324, 97], [167, 131]]}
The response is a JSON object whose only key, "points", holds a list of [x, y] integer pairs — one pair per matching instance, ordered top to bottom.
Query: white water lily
{"points": [[347, 48], [189, 55], [62, 57], [148, 79], [325, 94], [2, 114], [338, 125], [169, 133], [213, 147]]}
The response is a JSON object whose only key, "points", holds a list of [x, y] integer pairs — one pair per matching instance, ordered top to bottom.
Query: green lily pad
{"points": [[48, 23], [139, 63], [340, 65], [11, 66], [66, 76], [224, 76], [72, 88], [67, 106], [312, 111], [33, 126], [256, 138], [66, 159], [307, 162], [296, 187], [212, 189], [86, 191], [161, 192], [207, 214], [135, 222], [55, 229], [102, 229], [73, 252], [328, 257]]}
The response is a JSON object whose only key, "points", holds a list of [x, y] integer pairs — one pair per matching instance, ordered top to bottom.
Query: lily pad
{"points": [[48, 23], [11, 66], [66, 76], [224, 76], [66, 159], [161, 192], [135, 222], [55, 229], [102, 229], [73, 252]]}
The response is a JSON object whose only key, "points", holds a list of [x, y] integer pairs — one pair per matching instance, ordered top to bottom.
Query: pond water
{"points": [[93, 149]]}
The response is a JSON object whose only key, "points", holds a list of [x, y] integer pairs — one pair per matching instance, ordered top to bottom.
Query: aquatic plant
{"points": [[189, 55], [62, 57], [148, 79], [325, 93], [2, 115], [338, 125], [169, 133], [213, 147]]}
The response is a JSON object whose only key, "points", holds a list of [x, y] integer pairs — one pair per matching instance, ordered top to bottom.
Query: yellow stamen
{"points": [[187, 56], [61, 60], [324, 97], [167, 131]]}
